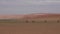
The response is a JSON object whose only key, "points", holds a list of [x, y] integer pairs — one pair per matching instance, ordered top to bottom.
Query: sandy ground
{"points": [[30, 28]]}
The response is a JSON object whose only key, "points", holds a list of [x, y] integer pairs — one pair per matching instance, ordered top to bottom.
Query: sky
{"points": [[29, 6]]}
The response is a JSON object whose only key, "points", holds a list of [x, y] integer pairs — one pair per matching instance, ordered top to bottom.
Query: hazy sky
{"points": [[29, 6]]}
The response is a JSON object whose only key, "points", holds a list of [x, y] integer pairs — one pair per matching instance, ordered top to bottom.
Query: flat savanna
{"points": [[30, 28]]}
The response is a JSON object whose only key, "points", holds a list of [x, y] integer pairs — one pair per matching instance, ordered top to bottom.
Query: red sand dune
{"points": [[10, 16], [29, 16], [36, 16]]}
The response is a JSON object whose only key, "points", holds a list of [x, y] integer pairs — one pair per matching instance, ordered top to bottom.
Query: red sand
{"points": [[43, 28]]}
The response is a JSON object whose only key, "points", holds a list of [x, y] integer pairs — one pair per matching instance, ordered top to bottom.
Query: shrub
{"points": [[26, 21], [33, 21], [45, 21], [57, 21]]}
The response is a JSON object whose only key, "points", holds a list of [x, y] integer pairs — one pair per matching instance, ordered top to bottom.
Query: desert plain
{"points": [[43, 24]]}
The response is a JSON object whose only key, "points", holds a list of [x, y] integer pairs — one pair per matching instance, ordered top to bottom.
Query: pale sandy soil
{"points": [[29, 28]]}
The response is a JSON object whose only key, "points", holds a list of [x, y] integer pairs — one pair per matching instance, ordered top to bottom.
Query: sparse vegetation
{"points": [[8, 20], [26, 21], [33, 21], [45, 21], [57, 21]]}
